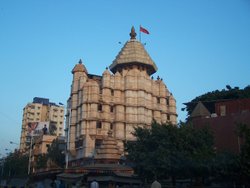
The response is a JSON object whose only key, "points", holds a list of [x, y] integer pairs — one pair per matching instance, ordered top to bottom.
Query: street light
{"points": [[68, 116], [14, 143], [30, 150], [8, 151], [2, 161]]}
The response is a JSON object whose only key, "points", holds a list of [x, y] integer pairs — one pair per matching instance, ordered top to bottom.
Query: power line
{"points": [[8, 117]]}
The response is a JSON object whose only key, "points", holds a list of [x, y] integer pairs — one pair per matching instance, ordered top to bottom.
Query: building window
{"points": [[112, 92], [158, 100], [167, 101], [99, 107], [111, 109], [223, 110], [168, 117], [98, 125], [111, 126], [80, 129], [125, 130], [78, 143], [98, 143]]}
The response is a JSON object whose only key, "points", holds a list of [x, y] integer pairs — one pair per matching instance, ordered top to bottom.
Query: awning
{"points": [[70, 177]]}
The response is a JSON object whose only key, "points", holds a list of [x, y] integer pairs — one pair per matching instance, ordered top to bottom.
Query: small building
{"points": [[223, 121], [105, 167], [44, 175]]}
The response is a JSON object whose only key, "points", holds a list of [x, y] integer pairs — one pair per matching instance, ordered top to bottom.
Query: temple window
{"points": [[158, 100], [167, 101], [99, 107], [168, 117], [98, 125], [111, 126], [98, 143]]}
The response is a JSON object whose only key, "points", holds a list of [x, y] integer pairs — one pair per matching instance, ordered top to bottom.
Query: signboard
{"points": [[38, 128]]}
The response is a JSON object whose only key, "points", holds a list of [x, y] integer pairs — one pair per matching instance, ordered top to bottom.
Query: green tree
{"points": [[209, 98], [244, 134], [197, 146], [171, 151], [55, 153], [41, 161], [15, 165], [226, 168]]}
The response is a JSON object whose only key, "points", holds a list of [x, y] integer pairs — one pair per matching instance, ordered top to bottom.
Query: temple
{"points": [[124, 97]]}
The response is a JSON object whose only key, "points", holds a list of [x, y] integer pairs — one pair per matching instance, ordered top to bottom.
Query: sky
{"points": [[198, 46]]}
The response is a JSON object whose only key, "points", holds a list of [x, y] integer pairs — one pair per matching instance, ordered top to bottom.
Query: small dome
{"points": [[79, 68], [106, 72], [117, 74], [109, 149]]}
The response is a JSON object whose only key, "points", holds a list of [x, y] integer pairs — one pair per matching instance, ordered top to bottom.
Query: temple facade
{"points": [[123, 97]]}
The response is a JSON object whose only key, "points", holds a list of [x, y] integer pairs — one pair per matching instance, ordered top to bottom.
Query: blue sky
{"points": [[198, 46]]}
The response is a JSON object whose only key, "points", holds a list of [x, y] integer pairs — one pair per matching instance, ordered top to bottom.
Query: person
{"points": [[45, 129], [94, 184], [156, 184], [74, 185]]}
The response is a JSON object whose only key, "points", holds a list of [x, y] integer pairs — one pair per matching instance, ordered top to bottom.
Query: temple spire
{"points": [[132, 33], [133, 53]]}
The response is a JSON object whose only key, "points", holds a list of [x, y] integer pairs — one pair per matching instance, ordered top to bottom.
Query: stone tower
{"points": [[119, 100]]}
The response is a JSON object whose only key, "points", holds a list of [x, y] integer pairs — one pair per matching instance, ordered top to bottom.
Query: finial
{"points": [[132, 33], [80, 61], [106, 68], [158, 77]]}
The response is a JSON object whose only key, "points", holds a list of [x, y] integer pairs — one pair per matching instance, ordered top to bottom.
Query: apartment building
{"points": [[41, 110]]}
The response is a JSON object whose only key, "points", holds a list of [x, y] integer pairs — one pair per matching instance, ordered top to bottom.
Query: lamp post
{"points": [[67, 130], [68, 138], [14, 143], [6, 149], [30, 151], [8, 155], [2, 162]]}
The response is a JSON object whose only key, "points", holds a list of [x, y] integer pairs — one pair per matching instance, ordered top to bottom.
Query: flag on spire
{"points": [[143, 30]]}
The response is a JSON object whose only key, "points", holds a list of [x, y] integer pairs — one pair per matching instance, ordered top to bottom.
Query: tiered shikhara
{"points": [[121, 99]]}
